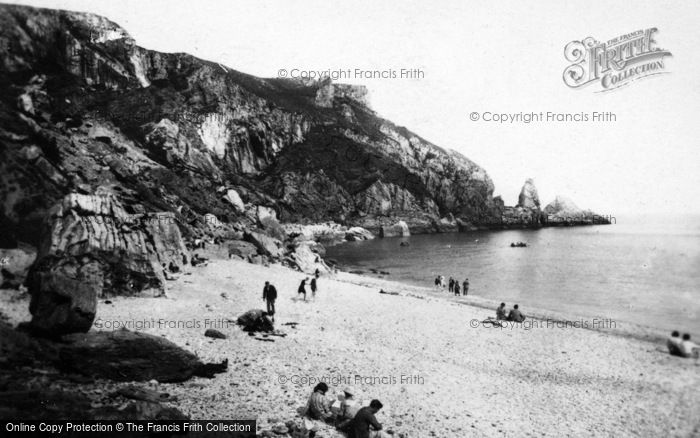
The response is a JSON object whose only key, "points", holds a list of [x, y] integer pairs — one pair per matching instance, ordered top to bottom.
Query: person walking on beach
{"points": [[451, 285], [313, 287], [465, 287], [302, 288], [456, 288], [269, 296], [515, 315]]}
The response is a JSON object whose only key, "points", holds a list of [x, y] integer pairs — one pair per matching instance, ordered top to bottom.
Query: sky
{"points": [[474, 56]]}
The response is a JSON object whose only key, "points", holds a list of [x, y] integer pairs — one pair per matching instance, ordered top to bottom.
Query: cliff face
{"points": [[82, 106]]}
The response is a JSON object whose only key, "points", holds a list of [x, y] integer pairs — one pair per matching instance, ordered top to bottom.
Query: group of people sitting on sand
{"points": [[518, 244], [452, 285], [514, 315], [682, 346], [349, 417]]}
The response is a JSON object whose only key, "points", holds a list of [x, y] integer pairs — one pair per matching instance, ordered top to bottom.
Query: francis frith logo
{"points": [[614, 63]]}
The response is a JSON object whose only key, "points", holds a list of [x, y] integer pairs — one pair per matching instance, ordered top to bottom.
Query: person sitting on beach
{"points": [[197, 260], [172, 267], [167, 274], [437, 281], [465, 287], [302, 288], [501, 312], [515, 315], [674, 344], [689, 348], [318, 407], [348, 410], [365, 424]]}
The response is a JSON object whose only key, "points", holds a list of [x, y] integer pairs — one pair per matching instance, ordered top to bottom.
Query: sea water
{"points": [[643, 269]]}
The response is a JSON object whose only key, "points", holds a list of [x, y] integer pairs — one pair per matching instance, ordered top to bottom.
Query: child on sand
{"points": [[313, 287], [302, 288], [674, 344], [689, 348]]}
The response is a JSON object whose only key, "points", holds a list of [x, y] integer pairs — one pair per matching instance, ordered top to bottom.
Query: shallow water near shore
{"points": [[642, 270]]}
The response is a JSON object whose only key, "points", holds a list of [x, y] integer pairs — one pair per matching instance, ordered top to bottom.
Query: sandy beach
{"points": [[417, 352]]}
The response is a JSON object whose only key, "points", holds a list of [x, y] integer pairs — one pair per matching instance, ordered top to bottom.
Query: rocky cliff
{"points": [[83, 107]]}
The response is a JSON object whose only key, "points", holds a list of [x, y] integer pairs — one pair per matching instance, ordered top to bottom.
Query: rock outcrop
{"points": [[528, 197], [562, 211], [399, 229], [358, 233], [92, 248]]}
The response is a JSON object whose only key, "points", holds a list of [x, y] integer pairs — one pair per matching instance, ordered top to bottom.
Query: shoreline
{"points": [[626, 330]]}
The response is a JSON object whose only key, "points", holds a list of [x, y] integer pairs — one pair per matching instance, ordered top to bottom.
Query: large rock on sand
{"points": [[266, 245], [92, 247], [241, 249], [306, 259], [64, 294], [123, 355]]}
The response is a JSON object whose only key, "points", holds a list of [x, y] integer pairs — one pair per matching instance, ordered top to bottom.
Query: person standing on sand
{"points": [[451, 285], [313, 287], [465, 287], [302, 288], [456, 288], [269, 296], [365, 424]]}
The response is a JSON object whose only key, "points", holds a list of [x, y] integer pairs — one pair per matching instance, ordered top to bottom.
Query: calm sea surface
{"points": [[643, 269]]}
